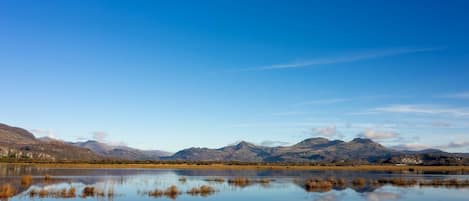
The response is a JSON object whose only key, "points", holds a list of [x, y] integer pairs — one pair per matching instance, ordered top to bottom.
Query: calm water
{"points": [[131, 184]]}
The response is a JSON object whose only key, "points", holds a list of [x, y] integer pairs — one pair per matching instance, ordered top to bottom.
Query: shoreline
{"points": [[409, 168]]}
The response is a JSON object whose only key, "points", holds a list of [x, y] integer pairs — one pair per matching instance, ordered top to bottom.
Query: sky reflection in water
{"points": [[132, 184]]}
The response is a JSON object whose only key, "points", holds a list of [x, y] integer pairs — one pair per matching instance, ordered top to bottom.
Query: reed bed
{"points": [[274, 166], [47, 178], [26, 180], [240, 181], [244, 181], [359, 181], [398, 181], [317, 185], [203, 190], [7, 191], [91, 191], [171, 192], [53, 193]]}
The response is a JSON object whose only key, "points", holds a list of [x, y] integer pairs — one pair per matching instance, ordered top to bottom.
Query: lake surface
{"points": [[134, 184]]}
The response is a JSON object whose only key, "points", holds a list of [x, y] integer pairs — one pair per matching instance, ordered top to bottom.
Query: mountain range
{"points": [[17, 143]]}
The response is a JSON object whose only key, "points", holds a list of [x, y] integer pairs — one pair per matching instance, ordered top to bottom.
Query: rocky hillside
{"points": [[19, 144], [313, 149], [320, 150]]}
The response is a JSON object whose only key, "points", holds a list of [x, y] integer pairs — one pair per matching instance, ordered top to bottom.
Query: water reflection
{"points": [[150, 184]]}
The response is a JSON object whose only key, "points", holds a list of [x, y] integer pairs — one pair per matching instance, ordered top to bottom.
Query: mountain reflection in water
{"points": [[150, 184]]}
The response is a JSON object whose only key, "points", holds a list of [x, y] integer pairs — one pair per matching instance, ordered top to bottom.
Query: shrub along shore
{"points": [[252, 166]]}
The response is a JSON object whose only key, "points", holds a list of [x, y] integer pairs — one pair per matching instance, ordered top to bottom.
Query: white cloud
{"points": [[348, 58], [424, 109], [328, 131], [44, 133], [378, 135], [100, 136], [272, 143], [455, 145], [411, 146], [419, 146], [381, 195]]}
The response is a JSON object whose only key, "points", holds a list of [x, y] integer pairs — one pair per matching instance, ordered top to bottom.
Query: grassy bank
{"points": [[253, 167]]}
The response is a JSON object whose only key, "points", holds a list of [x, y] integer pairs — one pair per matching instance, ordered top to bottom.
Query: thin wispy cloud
{"points": [[348, 58], [460, 95], [324, 101], [424, 109], [328, 131], [378, 135], [273, 143], [411, 146], [419, 146]]}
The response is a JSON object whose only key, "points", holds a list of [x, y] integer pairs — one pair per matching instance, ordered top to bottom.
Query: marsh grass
{"points": [[269, 166], [47, 178], [26, 180], [240, 181], [244, 181], [359, 181], [318, 185], [203, 190], [7, 191], [88, 191], [91, 191], [172, 192], [53, 193], [155, 193]]}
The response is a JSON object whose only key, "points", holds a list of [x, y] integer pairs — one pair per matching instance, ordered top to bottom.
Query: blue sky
{"points": [[172, 75]]}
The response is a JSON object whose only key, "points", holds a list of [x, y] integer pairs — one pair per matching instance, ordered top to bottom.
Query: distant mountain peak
{"points": [[363, 140], [313, 141], [244, 144]]}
